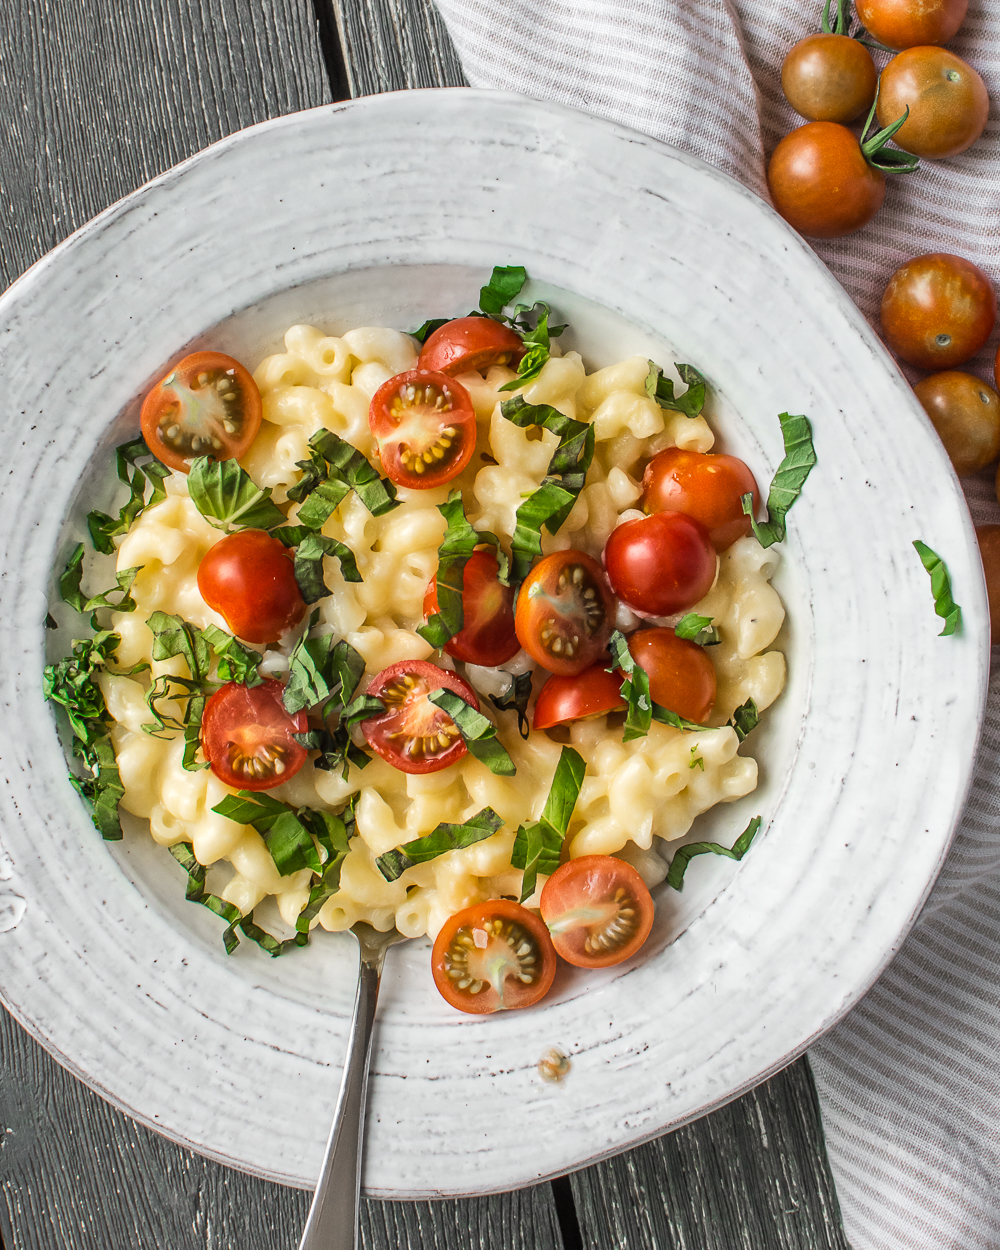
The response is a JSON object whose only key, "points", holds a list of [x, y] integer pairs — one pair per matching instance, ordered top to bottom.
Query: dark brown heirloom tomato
{"points": [[909, 23], [829, 78], [947, 100], [821, 183], [938, 310], [469, 343], [207, 405], [966, 414], [709, 488], [989, 549], [661, 564], [249, 577], [565, 612], [487, 635], [681, 676], [594, 692], [413, 734], [247, 736], [598, 911], [493, 957]]}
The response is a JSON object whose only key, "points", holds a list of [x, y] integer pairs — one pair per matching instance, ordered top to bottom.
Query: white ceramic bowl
{"points": [[385, 211]]}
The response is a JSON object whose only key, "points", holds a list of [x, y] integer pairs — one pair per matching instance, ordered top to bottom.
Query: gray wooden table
{"points": [[96, 97]]}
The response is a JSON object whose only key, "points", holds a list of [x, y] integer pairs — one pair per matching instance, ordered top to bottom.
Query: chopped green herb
{"points": [[502, 289], [428, 328], [537, 341], [662, 390], [346, 465], [786, 486], [228, 498], [103, 527], [459, 542], [310, 548], [70, 588], [944, 605], [698, 629], [174, 636], [236, 662], [320, 670], [517, 696], [642, 711], [745, 719], [479, 733], [337, 748], [696, 761], [286, 834], [334, 836], [439, 841], [538, 845], [183, 852], [683, 855]]}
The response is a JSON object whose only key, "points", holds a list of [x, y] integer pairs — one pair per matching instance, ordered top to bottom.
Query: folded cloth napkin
{"points": [[909, 1081]]}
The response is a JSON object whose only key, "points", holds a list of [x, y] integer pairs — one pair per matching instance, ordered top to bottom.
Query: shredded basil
{"points": [[502, 289], [428, 328], [537, 341], [661, 389], [346, 465], [786, 486], [317, 492], [228, 498], [103, 527], [459, 542], [310, 548], [71, 592], [944, 605], [698, 629], [174, 636], [236, 662], [319, 670], [517, 696], [642, 711], [745, 719], [479, 733], [336, 747], [286, 834], [445, 837], [538, 845], [183, 852], [684, 854]]}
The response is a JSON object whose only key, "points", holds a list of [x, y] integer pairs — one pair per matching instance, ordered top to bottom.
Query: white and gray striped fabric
{"points": [[910, 1081]]}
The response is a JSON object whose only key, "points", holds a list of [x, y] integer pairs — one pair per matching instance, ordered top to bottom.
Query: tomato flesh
{"points": [[471, 343], [207, 405], [425, 427], [708, 488], [661, 564], [249, 578], [565, 612], [487, 636], [681, 676], [594, 692], [413, 734], [247, 736], [597, 910], [494, 956]]}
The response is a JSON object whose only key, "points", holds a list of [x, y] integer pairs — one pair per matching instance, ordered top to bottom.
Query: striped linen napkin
{"points": [[909, 1082]]}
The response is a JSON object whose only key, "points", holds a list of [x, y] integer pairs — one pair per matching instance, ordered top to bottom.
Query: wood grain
{"points": [[392, 45]]}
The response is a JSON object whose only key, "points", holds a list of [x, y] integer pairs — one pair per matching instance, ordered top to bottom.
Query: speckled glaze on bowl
{"points": [[385, 211]]}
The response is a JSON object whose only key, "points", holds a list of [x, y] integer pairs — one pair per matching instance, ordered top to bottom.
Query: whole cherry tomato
{"points": [[910, 23], [829, 78], [947, 100], [822, 184], [938, 310], [471, 343], [966, 414], [425, 427], [709, 488], [989, 549], [661, 564], [249, 577], [565, 612], [487, 635], [681, 676], [594, 692], [413, 734], [248, 737], [597, 909], [494, 956]]}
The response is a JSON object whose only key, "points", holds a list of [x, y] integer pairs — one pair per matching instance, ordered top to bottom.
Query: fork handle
{"points": [[333, 1216]]}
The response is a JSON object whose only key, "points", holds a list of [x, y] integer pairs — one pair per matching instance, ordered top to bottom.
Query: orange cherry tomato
{"points": [[909, 23], [829, 78], [947, 100], [821, 183], [938, 310], [471, 343], [207, 405], [966, 414], [425, 427], [709, 488], [989, 549], [660, 564], [250, 578], [565, 612], [487, 636], [681, 676], [594, 692], [413, 734], [248, 737], [597, 910], [494, 956]]}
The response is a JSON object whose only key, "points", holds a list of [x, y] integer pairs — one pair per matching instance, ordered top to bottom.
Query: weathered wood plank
{"points": [[392, 45], [751, 1176]]}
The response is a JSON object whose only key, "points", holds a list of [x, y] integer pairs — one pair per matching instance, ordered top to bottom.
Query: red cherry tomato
{"points": [[911, 23], [948, 102], [821, 183], [938, 310], [471, 343], [207, 405], [425, 427], [708, 488], [660, 564], [249, 577], [565, 612], [487, 637], [681, 676], [594, 692], [412, 733], [246, 735], [597, 910], [493, 957]]}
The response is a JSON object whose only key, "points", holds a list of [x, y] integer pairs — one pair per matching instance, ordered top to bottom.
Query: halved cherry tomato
{"points": [[911, 23], [829, 78], [948, 102], [821, 183], [938, 310], [471, 343], [207, 405], [425, 427], [708, 488], [660, 564], [249, 577], [565, 612], [488, 636], [681, 676], [594, 692], [412, 733], [246, 735], [597, 910], [494, 956]]}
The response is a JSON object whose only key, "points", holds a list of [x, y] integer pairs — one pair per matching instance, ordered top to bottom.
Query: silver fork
{"points": [[333, 1216]]}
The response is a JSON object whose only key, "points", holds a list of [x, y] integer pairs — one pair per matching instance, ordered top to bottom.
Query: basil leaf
{"points": [[502, 289], [428, 328], [537, 341], [661, 389], [347, 465], [786, 486], [228, 498], [103, 527], [459, 542], [310, 548], [71, 592], [944, 605], [698, 629], [173, 636], [236, 662], [320, 670], [517, 696], [642, 711], [745, 719], [479, 733], [192, 734], [337, 749], [103, 789], [285, 834], [444, 838], [335, 839], [538, 845], [183, 852], [684, 854], [274, 946]]}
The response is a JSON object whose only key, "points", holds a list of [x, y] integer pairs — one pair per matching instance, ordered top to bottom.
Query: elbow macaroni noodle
{"points": [[652, 787]]}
